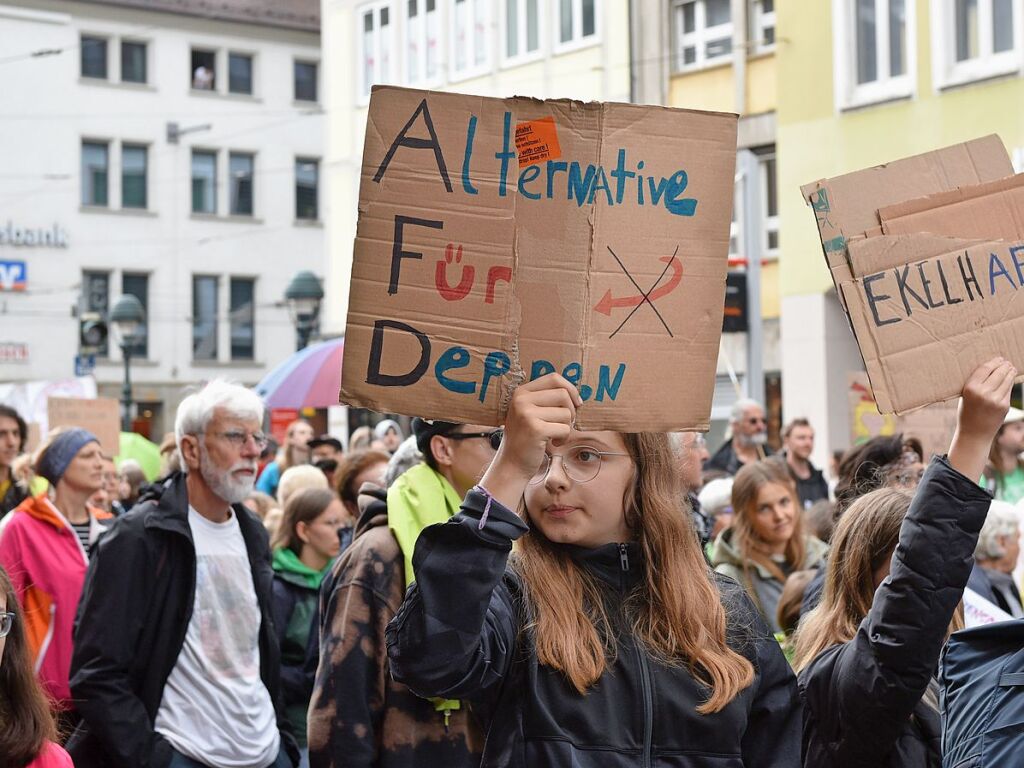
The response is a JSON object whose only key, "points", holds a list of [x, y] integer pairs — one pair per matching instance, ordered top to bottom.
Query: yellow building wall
{"points": [[762, 84], [711, 89], [816, 141]]}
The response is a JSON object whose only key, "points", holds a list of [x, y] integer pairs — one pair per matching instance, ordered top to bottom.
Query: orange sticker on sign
{"points": [[537, 141]]}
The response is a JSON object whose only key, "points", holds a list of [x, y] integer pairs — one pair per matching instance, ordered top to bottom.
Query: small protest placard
{"points": [[503, 239], [927, 254], [99, 415]]}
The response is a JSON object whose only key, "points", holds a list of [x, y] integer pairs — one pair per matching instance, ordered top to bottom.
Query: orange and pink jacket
{"points": [[46, 562]]}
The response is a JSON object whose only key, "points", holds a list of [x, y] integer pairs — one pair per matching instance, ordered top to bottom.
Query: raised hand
{"points": [[983, 406]]}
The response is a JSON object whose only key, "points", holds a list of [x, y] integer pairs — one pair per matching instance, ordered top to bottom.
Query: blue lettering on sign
{"points": [[13, 276]]}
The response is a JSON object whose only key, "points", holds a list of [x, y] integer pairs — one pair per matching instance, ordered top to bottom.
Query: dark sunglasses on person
{"points": [[493, 437], [6, 623]]}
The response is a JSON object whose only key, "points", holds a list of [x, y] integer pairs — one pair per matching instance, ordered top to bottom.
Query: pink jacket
{"points": [[46, 563], [52, 756]]}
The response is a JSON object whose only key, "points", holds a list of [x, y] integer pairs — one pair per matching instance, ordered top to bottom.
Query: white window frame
{"points": [[759, 22], [698, 38], [577, 41], [111, 42], [148, 43], [423, 43], [522, 56], [472, 69], [947, 71], [848, 93], [363, 95], [1018, 159], [769, 223]]}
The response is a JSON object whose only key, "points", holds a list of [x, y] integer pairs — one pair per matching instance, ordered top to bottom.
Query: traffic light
{"points": [[92, 332]]}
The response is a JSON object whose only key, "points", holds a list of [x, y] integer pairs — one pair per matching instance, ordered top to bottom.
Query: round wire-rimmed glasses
{"points": [[580, 464]]}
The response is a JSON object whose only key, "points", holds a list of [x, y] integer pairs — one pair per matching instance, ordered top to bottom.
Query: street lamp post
{"points": [[304, 294], [128, 318]]}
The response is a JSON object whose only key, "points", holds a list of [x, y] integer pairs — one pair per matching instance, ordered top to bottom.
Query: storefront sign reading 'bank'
{"points": [[33, 237]]}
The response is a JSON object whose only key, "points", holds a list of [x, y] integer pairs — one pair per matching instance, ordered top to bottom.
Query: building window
{"points": [[577, 21], [762, 25], [522, 28], [703, 33], [469, 37], [422, 39], [981, 39], [873, 40], [376, 43], [94, 57], [133, 62], [203, 70], [239, 73], [305, 77], [95, 171], [133, 175], [240, 175], [204, 182], [307, 182], [769, 203], [138, 286], [96, 298], [204, 317], [243, 318]]}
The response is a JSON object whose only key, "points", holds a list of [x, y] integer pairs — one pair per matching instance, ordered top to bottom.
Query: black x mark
{"points": [[646, 296]]}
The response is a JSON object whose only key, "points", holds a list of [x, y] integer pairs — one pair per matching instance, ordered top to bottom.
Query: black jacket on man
{"points": [[726, 460], [131, 625], [461, 633], [864, 701]]}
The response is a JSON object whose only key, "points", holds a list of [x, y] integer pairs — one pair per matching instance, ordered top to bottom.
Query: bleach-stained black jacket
{"points": [[461, 634], [863, 703]]}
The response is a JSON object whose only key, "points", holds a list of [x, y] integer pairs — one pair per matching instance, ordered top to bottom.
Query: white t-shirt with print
{"points": [[215, 707]]}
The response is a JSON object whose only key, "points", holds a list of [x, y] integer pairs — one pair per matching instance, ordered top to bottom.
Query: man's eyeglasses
{"points": [[757, 420], [493, 437], [238, 438], [580, 464], [6, 623]]}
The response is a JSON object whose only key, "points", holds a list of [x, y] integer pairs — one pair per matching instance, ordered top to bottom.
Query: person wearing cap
{"points": [[326, 453], [1004, 474], [45, 550], [359, 717]]}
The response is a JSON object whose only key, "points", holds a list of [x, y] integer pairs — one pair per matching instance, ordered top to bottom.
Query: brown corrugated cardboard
{"points": [[847, 206], [992, 210], [499, 239], [923, 327]]}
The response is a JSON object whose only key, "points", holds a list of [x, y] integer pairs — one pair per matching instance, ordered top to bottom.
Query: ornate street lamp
{"points": [[304, 295], [129, 321]]}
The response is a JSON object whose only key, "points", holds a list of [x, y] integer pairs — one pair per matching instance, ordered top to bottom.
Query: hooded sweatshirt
{"points": [[46, 562], [296, 587]]}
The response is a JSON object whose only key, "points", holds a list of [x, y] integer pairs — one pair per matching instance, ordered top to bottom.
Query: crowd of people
{"points": [[530, 595]]}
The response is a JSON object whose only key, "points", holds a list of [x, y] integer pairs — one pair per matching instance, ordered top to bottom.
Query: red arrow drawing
{"points": [[607, 303]]}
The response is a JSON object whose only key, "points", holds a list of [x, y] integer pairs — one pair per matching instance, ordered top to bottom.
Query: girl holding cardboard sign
{"points": [[604, 639], [867, 654]]}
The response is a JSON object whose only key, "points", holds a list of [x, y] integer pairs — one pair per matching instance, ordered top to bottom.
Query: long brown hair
{"points": [[994, 470], [745, 489], [303, 506], [863, 542], [677, 613], [24, 709]]}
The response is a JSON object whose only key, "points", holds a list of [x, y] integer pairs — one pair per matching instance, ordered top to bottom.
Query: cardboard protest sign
{"points": [[847, 206], [502, 239], [99, 415]]}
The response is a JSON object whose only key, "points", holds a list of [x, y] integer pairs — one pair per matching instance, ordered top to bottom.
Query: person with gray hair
{"points": [[748, 442], [995, 557], [176, 662]]}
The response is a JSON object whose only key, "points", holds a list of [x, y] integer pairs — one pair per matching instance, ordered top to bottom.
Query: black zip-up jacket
{"points": [[131, 624], [461, 633], [863, 703]]}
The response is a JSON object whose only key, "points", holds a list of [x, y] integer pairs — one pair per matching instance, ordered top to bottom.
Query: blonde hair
{"points": [[299, 477], [745, 489], [677, 613]]}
